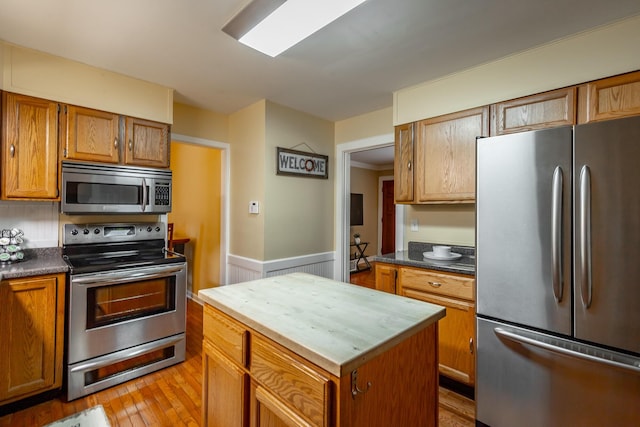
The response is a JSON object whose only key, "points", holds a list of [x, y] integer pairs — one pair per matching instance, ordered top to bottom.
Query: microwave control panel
{"points": [[162, 194]]}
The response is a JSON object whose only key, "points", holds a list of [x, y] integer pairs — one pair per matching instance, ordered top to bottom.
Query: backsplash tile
{"points": [[38, 221]]}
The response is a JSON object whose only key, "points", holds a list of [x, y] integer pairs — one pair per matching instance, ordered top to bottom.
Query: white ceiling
{"points": [[349, 68]]}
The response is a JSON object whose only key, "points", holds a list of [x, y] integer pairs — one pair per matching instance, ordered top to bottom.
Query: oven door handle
{"points": [[126, 276]]}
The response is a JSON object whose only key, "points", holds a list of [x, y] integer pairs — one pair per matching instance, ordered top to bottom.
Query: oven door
{"points": [[112, 311]]}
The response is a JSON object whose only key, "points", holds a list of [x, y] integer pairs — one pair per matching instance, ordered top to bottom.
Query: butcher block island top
{"points": [[313, 351]]}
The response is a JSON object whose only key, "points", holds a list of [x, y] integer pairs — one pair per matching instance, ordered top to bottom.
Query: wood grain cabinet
{"points": [[611, 98], [543, 110], [91, 135], [99, 136], [147, 143], [29, 148], [445, 156], [403, 163], [386, 277], [456, 334], [32, 336], [250, 380]]}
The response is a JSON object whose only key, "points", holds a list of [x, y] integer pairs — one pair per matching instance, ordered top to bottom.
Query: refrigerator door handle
{"points": [[556, 233], [585, 236], [573, 349]]}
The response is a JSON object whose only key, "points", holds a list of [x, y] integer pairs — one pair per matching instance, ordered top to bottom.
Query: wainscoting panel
{"points": [[242, 269]]}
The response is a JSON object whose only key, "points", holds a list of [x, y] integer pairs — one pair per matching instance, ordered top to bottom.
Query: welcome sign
{"points": [[299, 163]]}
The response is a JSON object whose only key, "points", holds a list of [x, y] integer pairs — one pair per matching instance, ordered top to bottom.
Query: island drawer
{"points": [[453, 285], [227, 334], [300, 386]]}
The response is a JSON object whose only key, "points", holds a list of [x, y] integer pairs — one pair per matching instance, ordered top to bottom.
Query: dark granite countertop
{"points": [[414, 258], [36, 262]]}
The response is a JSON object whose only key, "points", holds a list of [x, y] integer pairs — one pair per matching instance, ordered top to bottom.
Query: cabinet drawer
{"points": [[450, 284], [228, 335], [298, 385]]}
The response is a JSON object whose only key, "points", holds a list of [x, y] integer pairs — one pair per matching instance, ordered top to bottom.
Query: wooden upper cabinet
{"points": [[610, 98], [543, 110], [91, 135], [147, 143], [29, 148], [445, 156], [403, 163]]}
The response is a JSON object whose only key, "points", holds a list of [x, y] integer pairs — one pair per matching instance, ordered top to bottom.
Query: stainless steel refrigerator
{"points": [[558, 276]]}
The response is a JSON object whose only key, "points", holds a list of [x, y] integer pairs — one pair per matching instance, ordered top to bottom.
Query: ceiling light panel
{"points": [[292, 22]]}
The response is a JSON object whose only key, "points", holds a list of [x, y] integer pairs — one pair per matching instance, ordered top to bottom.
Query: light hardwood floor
{"points": [[172, 396]]}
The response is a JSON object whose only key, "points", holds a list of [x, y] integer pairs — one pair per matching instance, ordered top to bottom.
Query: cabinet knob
{"points": [[115, 142], [130, 145], [12, 150], [409, 165], [471, 345]]}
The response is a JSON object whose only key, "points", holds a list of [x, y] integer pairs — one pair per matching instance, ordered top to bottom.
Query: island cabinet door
{"points": [[396, 388], [225, 391], [268, 411]]}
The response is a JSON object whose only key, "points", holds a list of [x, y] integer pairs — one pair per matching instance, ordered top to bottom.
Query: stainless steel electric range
{"points": [[126, 296]]}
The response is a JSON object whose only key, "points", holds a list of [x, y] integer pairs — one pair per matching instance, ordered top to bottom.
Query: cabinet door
{"points": [[609, 98], [543, 110], [91, 135], [147, 143], [29, 148], [446, 156], [403, 163], [386, 276], [32, 336], [456, 339], [225, 391], [268, 411]]}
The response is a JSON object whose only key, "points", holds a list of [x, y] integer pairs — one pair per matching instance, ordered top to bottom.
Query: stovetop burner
{"points": [[105, 247]]}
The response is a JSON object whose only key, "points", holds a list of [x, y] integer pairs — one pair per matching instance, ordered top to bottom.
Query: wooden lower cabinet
{"points": [[386, 277], [456, 331], [32, 336], [272, 386]]}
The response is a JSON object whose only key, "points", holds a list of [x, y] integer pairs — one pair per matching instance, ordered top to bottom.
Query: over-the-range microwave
{"points": [[89, 188]]}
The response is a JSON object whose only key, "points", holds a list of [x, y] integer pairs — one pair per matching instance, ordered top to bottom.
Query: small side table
{"points": [[359, 255]]}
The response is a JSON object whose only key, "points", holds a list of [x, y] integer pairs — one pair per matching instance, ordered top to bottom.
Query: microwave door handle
{"points": [[143, 204]]}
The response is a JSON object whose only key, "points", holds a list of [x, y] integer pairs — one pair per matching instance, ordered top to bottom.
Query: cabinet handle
{"points": [[115, 142], [130, 145], [12, 150], [409, 165], [435, 284], [471, 345]]}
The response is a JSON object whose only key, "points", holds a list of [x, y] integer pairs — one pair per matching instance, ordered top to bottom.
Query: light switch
{"points": [[254, 207], [414, 225]]}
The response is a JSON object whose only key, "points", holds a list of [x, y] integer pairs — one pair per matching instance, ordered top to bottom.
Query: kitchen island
{"points": [[302, 350]]}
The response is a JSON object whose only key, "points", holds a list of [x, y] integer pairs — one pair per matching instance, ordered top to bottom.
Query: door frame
{"points": [[225, 177], [342, 193]]}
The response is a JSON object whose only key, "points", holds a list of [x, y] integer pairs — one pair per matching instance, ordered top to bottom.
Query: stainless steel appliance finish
{"points": [[89, 188], [126, 304], [558, 305]]}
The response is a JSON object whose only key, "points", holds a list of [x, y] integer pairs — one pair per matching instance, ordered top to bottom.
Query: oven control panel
{"points": [[104, 233]]}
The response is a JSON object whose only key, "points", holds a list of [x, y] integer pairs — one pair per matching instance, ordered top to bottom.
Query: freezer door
{"points": [[607, 233], [523, 240], [522, 384]]}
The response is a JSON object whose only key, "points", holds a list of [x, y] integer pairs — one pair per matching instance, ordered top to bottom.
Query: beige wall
{"points": [[606, 51], [34, 73], [199, 123], [373, 124], [247, 146], [365, 181], [196, 209], [299, 212], [449, 224]]}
